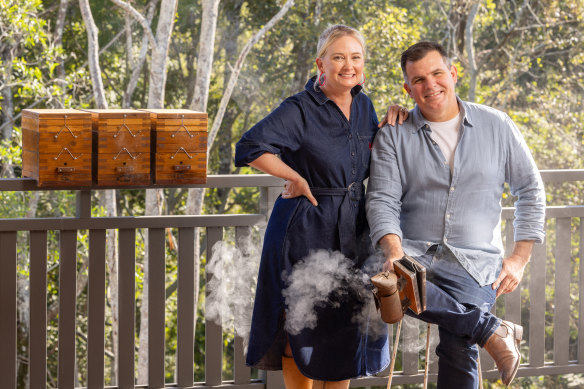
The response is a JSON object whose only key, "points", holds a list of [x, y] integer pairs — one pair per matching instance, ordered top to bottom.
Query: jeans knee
{"points": [[457, 351]]}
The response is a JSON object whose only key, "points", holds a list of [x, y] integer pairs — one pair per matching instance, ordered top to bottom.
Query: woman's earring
{"points": [[362, 79], [321, 80]]}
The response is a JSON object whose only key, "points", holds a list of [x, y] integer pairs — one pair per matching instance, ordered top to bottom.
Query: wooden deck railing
{"points": [[544, 354]]}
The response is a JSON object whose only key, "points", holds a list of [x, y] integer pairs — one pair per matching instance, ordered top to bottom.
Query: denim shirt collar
{"points": [[319, 96], [420, 121]]}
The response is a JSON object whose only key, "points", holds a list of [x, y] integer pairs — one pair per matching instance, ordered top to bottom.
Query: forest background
{"points": [[237, 60]]}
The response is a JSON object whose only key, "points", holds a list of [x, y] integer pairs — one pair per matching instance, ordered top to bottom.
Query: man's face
{"points": [[430, 82]]}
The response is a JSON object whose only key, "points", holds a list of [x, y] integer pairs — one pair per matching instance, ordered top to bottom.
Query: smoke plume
{"points": [[323, 279], [231, 290]]}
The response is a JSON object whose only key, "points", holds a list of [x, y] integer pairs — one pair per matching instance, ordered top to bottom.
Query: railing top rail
{"points": [[213, 181], [240, 181]]}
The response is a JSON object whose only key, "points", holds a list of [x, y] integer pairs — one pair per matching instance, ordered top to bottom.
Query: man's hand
{"points": [[392, 249], [513, 268], [511, 275]]}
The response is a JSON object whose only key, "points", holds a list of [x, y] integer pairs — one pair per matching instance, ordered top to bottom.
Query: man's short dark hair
{"points": [[418, 51]]}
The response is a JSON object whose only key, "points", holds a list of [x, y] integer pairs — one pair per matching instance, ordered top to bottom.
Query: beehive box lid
{"points": [[51, 113], [116, 113], [176, 113]]}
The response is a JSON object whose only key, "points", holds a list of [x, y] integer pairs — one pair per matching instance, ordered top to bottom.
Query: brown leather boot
{"points": [[503, 346]]}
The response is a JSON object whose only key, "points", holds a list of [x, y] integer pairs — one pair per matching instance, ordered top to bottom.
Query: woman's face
{"points": [[342, 64]]}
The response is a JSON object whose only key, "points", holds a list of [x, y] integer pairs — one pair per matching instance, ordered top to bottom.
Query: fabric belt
{"points": [[355, 191], [347, 224]]}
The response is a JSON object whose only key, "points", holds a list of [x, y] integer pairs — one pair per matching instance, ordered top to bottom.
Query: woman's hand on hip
{"points": [[297, 188]]}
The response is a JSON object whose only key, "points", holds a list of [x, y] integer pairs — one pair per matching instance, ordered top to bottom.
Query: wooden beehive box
{"points": [[181, 146], [56, 147], [122, 147]]}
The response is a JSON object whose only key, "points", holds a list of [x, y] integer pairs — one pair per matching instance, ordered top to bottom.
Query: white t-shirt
{"points": [[446, 134]]}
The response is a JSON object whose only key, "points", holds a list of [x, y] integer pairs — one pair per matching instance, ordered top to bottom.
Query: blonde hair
{"points": [[330, 35]]}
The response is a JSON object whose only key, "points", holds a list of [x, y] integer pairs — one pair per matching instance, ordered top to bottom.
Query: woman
{"points": [[323, 136]]}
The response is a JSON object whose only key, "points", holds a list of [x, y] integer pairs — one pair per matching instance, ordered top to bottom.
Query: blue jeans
{"points": [[460, 307]]}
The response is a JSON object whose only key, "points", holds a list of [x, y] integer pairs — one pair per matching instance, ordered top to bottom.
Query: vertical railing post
{"points": [[268, 196], [83, 206], [562, 291], [581, 296], [67, 297], [537, 305], [126, 307], [156, 307], [186, 307], [8, 309], [96, 310], [213, 331], [37, 340], [241, 373]]}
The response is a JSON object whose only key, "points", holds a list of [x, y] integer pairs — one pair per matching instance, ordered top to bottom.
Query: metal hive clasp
{"points": [[182, 125], [65, 126], [120, 128], [126, 150], [183, 150], [68, 151]]}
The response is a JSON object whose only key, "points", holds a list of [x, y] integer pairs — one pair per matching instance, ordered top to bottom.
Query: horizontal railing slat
{"points": [[162, 221]]}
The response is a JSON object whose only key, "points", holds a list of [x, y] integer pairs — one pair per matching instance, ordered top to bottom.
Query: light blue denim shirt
{"points": [[413, 193]]}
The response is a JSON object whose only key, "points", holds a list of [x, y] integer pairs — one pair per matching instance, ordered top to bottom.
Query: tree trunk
{"points": [[231, 11], [59, 27], [469, 39], [93, 54], [160, 54], [205, 57], [139, 63], [6, 101], [196, 196]]}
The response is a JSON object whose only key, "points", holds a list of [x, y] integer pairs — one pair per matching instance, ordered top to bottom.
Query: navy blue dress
{"points": [[313, 137]]}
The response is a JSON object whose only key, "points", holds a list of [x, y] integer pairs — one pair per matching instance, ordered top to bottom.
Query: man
{"points": [[435, 191]]}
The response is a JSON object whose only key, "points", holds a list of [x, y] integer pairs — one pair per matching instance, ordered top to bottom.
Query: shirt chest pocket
{"points": [[365, 143]]}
